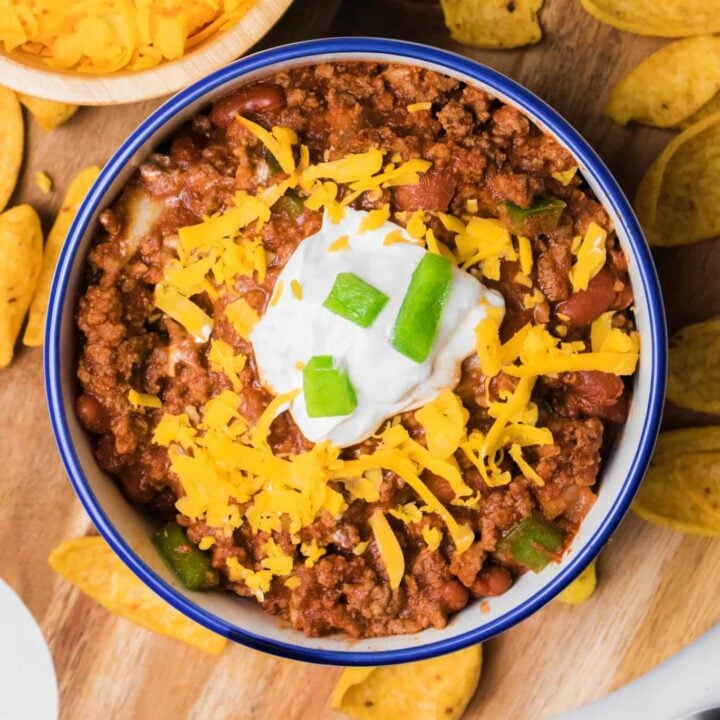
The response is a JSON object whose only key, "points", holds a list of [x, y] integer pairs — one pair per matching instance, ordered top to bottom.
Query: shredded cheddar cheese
{"points": [[418, 106], [279, 142], [346, 170], [564, 177], [374, 219], [394, 236], [485, 242], [342, 243], [525, 253], [590, 257], [296, 289], [277, 293], [242, 317], [195, 320], [487, 333], [222, 359], [138, 399], [444, 421], [408, 513], [432, 537], [206, 542], [390, 551]]}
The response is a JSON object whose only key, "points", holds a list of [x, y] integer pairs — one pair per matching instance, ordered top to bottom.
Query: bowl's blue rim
{"points": [[556, 124]]}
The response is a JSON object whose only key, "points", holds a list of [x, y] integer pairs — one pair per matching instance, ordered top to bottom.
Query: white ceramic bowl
{"points": [[26, 73], [128, 531]]}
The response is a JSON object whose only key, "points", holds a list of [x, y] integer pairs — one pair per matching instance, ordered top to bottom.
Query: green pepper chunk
{"points": [[272, 163], [293, 203], [541, 217], [355, 300], [422, 307], [327, 388], [532, 543], [190, 564]]}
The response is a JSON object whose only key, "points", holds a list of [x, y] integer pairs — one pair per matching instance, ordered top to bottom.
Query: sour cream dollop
{"points": [[386, 382]]}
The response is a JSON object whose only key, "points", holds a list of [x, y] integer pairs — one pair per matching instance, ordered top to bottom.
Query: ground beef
{"points": [[483, 153]]}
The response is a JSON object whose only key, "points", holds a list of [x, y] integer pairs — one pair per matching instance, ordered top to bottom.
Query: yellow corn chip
{"points": [[665, 18], [493, 23], [669, 85], [709, 108], [48, 113], [11, 143], [79, 187], [678, 200], [20, 260], [694, 375], [675, 442], [682, 487], [92, 567], [582, 587], [435, 689]]}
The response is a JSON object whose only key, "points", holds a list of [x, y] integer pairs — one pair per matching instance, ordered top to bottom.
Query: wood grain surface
{"points": [[658, 589]]}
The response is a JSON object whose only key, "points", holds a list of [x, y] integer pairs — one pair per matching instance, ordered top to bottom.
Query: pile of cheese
{"points": [[105, 36], [228, 472]]}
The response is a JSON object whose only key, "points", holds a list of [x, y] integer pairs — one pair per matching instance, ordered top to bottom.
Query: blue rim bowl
{"points": [[121, 525]]}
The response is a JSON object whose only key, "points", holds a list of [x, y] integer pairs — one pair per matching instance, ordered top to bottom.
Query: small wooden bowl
{"points": [[25, 73]]}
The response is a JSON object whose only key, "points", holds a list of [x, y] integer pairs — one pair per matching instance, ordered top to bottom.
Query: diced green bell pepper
{"points": [[272, 163], [293, 203], [541, 217], [355, 300], [422, 307], [327, 388], [532, 543], [191, 565]]}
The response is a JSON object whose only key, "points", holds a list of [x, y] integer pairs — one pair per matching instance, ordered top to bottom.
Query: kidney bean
{"points": [[251, 99], [434, 191], [582, 307], [593, 392], [617, 412], [92, 414], [135, 485], [439, 487], [492, 580], [453, 595]]}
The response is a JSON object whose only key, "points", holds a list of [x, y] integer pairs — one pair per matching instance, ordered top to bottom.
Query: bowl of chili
{"points": [[534, 550]]}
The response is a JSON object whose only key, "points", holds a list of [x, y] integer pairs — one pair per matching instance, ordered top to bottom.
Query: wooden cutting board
{"points": [[658, 589]]}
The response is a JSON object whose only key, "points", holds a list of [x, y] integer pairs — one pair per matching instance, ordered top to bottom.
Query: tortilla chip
{"points": [[667, 18], [493, 23], [669, 85], [709, 108], [48, 113], [12, 137], [76, 193], [678, 200], [20, 259], [694, 374], [676, 442], [682, 487], [92, 567], [582, 587], [435, 689]]}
